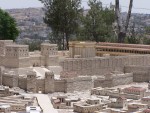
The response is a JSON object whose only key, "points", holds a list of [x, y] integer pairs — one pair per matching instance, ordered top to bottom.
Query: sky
{"points": [[143, 4]]}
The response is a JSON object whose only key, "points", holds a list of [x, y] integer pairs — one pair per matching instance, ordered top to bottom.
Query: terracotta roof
{"points": [[132, 88], [146, 98], [147, 111]]}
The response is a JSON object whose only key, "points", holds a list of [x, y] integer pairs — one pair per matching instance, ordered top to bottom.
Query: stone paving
{"points": [[45, 103]]}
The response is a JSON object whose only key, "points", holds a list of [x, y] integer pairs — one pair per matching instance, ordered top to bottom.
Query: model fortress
{"points": [[18, 56], [36, 71]]}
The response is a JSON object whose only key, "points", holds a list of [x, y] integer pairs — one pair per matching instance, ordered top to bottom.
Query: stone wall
{"points": [[3, 44], [82, 49], [18, 56], [2, 61], [35, 61], [51, 61], [11, 62], [24, 62], [103, 65], [1, 72], [140, 73], [141, 77], [127, 78], [7, 80], [15, 80], [122, 80], [31, 82], [22, 83], [103, 83], [73, 84], [79, 84], [40, 85], [60, 86]]}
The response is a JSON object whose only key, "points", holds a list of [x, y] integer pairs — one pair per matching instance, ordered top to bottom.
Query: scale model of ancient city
{"points": [[89, 78]]}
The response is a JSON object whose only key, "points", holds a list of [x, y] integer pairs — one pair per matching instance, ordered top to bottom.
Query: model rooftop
{"points": [[17, 45]]}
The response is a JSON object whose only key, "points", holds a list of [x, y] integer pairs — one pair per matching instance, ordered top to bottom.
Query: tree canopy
{"points": [[62, 16], [97, 24], [8, 27]]}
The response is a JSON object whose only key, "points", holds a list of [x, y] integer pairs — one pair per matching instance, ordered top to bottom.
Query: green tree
{"points": [[108, 15], [62, 16], [98, 21], [8, 27], [147, 30], [132, 37], [56, 38], [33, 45]]}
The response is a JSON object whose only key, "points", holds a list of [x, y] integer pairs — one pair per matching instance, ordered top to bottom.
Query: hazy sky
{"points": [[9, 4]]}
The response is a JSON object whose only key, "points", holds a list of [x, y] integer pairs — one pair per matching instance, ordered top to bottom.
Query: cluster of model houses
{"points": [[133, 99]]}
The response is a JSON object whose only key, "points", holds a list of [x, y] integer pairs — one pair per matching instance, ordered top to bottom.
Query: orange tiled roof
{"points": [[132, 88]]}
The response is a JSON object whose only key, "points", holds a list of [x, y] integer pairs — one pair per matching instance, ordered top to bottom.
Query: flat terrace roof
{"points": [[6, 40], [48, 44], [17, 45], [123, 45], [122, 48], [4, 105]]}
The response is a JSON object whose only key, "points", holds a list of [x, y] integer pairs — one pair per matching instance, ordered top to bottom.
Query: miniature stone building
{"points": [[3, 44], [82, 49], [18, 56], [133, 68], [113, 79], [31, 82], [34, 82], [49, 82], [135, 90], [128, 92], [146, 100], [93, 101], [60, 102], [16, 103], [119, 103], [88, 107], [133, 107], [4, 108], [146, 111]]}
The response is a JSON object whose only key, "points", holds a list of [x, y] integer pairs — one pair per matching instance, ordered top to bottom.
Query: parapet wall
{"points": [[24, 62], [103, 65], [140, 73], [127, 78], [7, 80], [10, 80], [123, 80], [22, 83], [103, 83], [73, 84], [79, 84], [40, 85], [60, 85]]}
